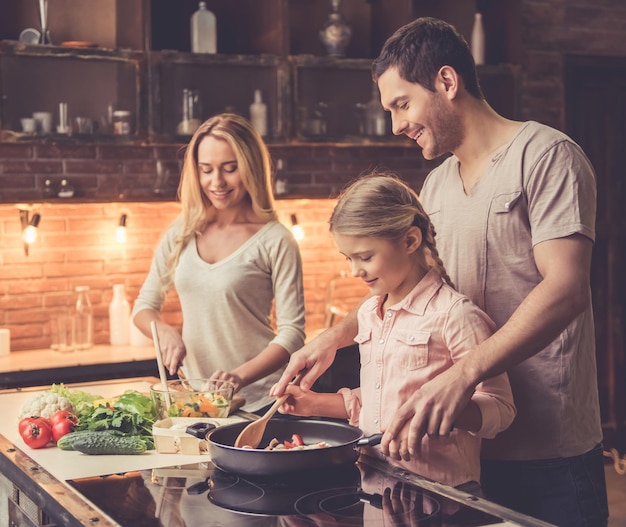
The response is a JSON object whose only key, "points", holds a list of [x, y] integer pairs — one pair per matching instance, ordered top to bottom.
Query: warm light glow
{"points": [[296, 229], [120, 234], [29, 235]]}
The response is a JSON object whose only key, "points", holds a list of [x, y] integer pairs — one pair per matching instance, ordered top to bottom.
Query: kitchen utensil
{"points": [[43, 18], [30, 36], [43, 121], [28, 125], [63, 126], [62, 332], [159, 356], [207, 398], [251, 435], [343, 440]]}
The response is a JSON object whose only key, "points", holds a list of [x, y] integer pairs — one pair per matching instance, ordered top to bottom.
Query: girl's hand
{"points": [[299, 402]]}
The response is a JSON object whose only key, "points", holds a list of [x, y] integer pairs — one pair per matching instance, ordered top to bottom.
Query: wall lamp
{"points": [[29, 228], [296, 229], [120, 233]]}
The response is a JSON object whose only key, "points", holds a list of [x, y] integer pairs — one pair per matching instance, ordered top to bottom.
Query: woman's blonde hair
{"points": [[254, 166], [380, 205]]}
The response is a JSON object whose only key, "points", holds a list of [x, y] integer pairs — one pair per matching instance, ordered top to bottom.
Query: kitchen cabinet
{"points": [[253, 40], [141, 63], [209, 75], [92, 83]]}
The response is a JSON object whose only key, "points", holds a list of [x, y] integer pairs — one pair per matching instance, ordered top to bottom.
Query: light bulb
{"points": [[296, 229], [30, 232], [120, 234]]}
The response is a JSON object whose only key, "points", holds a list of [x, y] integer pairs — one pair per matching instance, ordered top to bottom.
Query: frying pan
{"points": [[344, 441]]}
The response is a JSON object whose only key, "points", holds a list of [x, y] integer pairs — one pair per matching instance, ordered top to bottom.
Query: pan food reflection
{"points": [[336, 496]]}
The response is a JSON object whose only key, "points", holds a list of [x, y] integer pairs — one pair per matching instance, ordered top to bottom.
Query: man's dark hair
{"points": [[419, 49]]}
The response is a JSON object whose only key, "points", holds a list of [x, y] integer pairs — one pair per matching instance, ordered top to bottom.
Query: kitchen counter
{"points": [[42, 367], [41, 473], [69, 489]]}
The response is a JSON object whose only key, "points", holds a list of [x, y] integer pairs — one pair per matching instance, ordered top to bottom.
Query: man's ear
{"points": [[448, 81], [413, 239]]}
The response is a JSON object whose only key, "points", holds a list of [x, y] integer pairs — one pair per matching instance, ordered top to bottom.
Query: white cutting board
{"points": [[65, 465]]}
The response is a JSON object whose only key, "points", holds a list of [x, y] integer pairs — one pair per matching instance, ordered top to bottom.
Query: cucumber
{"points": [[67, 441], [98, 443]]}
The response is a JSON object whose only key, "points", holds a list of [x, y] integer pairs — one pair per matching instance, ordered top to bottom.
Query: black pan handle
{"points": [[200, 430], [372, 440], [198, 488]]}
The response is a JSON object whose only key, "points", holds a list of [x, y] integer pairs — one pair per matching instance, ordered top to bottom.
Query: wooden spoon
{"points": [[252, 434]]}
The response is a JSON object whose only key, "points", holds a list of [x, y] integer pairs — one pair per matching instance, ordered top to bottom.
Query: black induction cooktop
{"points": [[369, 492]]}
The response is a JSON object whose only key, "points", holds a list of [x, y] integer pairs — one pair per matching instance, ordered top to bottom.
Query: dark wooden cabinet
{"points": [[134, 55], [595, 109]]}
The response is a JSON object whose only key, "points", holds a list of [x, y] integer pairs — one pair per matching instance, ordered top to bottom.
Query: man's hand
{"points": [[431, 410]]}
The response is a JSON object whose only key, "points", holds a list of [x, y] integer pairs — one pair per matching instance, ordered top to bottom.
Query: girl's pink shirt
{"points": [[414, 341]]}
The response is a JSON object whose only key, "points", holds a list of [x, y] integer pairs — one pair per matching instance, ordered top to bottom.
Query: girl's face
{"points": [[423, 116], [219, 174], [387, 267]]}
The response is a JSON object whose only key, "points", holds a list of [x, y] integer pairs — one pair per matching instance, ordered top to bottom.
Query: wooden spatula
{"points": [[252, 434]]}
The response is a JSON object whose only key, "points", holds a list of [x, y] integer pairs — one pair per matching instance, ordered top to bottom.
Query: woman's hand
{"points": [[172, 347], [228, 376]]}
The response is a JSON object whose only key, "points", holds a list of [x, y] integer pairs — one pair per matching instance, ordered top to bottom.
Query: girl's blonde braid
{"points": [[428, 239]]}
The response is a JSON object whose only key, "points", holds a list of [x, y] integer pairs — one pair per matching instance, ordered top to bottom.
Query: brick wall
{"points": [[553, 29], [76, 245]]}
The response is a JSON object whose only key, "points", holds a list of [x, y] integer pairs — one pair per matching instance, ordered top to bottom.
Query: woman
{"points": [[229, 260]]}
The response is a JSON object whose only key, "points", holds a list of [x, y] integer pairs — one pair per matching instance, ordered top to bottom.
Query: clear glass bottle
{"points": [[203, 30], [477, 40], [258, 114], [119, 315], [83, 319]]}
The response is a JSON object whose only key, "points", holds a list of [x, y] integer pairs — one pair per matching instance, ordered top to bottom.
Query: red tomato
{"points": [[63, 415], [26, 421], [61, 427], [36, 434], [296, 440]]}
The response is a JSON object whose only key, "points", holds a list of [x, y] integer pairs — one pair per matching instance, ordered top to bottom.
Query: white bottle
{"points": [[203, 30], [477, 43], [258, 114], [119, 314], [83, 319]]}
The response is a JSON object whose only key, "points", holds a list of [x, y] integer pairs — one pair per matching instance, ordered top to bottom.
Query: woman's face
{"points": [[219, 174]]}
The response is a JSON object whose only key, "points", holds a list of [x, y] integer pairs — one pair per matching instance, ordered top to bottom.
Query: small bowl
{"points": [[193, 398]]}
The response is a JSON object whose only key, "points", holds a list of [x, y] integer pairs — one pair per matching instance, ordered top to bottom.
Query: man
{"points": [[514, 210]]}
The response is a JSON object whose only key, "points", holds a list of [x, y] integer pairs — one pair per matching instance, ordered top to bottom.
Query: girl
{"points": [[229, 259], [412, 327]]}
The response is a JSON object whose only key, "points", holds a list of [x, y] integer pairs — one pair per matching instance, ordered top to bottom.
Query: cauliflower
{"points": [[44, 405]]}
